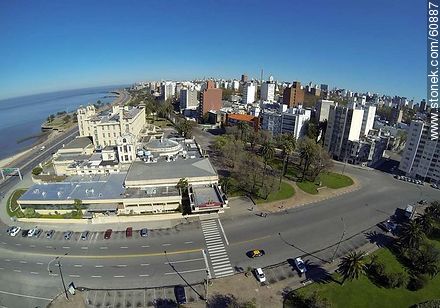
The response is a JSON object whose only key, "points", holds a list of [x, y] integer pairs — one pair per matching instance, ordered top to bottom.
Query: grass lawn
{"points": [[335, 180], [308, 187], [285, 192], [12, 205], [364, 293]]}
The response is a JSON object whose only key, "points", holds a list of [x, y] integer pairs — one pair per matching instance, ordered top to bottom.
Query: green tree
{"points": [[185, 127], [244, 129], [287, 144], [308, 150], [267, 152], [37, 170], [225, 183], [183, 185], [434, 211], [426, 222], [411, 235], [426, 260], [352, 265]]}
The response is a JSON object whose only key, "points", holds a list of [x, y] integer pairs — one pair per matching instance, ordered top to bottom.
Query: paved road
{"points": [[137, 262]]}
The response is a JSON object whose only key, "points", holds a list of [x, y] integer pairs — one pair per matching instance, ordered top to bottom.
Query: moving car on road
{"points": [[108, 234], [255, 253], [300, 265], [260, 275], [179, 292]]}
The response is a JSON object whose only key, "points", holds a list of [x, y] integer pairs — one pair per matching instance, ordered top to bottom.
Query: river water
{"points": [[21, 117]]}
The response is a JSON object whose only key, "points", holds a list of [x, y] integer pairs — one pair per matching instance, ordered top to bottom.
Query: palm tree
{"points": [[243, 127], [287, 144], [268, 152], [182, 185], [434, 210], [426, 222], [411, 235], [427, 260], [352, 265]]}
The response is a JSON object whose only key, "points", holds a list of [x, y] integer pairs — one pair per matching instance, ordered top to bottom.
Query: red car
{"points": [[129, 232], [108, 234]]}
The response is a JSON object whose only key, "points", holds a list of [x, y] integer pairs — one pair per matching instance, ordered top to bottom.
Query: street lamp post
{"points": [[340, 240], [61, 273]]}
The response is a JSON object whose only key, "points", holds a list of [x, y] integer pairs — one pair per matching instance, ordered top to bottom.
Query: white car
{"points": [[435, 186], [15, 231], [32, 232], [300, 265], [260, 275]]}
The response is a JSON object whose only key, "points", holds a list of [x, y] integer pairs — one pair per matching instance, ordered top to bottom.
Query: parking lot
{"points": [[141, 298]]}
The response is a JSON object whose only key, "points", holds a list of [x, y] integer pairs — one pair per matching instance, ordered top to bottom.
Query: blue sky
{"points": [[373, 45]]}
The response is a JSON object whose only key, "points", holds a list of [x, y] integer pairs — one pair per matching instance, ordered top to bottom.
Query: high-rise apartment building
{"points": [[244, 78], [168, 90], [268, 90], [248, 93], [293, 95], [210, 98], [188, 99], [323, 109], [396, 115], [368, 119], [292, 121], [344, 125], [421, 157]]}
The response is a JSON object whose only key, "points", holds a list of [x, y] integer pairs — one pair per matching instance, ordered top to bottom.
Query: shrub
{"points": [[37, 170], [30, 213], [395, 280], [417, 282], [435, 303]]}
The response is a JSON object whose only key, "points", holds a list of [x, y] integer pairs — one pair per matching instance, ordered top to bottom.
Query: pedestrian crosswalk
{"points": [[218, 256]]}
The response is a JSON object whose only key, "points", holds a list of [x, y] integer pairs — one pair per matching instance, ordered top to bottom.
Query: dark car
{"points": [[10, 229], [38, 232], [129, 232], [144, 232], [24, 233], [49, 234], [108, 234], [255, 253], [179, 292]]}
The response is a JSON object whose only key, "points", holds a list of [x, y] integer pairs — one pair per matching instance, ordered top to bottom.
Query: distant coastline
{"points": [[21, 117]]}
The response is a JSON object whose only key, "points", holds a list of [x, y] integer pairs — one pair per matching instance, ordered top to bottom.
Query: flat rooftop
{"points": [[79, 143], [180, 168], [83, 188]]}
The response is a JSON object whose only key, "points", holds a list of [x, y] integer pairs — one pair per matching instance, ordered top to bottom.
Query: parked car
{"points": [[435, 186], [423, 202], [409, 211], [388, 225], [9, 230], [15, 231], [32, 232], [38, 232], [129, 232], [144, 232], [25, 233], [49, 234], [108, 234], [68, 235], [85, 235], [255, 253], [300, 265], [260, 275], [179, 292]]}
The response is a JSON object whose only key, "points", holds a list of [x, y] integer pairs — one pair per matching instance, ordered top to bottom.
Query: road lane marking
{"points": [[223, 231], [189, 242], [17, 244], [167, 244], [32, 246], [145, 246], [48, 247], [66, 247], [84, 247], [103, 247], [123, 247], [7, 260], [183, 261], [23, 262], [40, 263], [145, 264], [77, 265], [122, 265], [99, 266], [18, 271], [189, 271], [34, 273], [73, 275], [144, 275], [96, 276], [119, 276], [27, 296]]}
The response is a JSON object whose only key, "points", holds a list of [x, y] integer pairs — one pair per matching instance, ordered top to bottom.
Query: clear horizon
{"points": [[51, 46]]}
